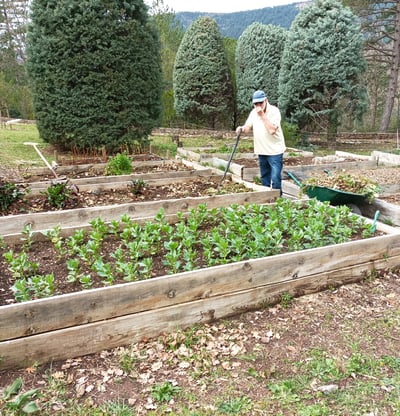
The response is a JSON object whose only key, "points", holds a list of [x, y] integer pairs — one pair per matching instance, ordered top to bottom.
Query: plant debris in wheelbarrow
{"points": [[338, 188]]}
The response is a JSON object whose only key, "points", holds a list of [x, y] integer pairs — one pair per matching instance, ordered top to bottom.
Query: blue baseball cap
{"points": [[259, 96]]}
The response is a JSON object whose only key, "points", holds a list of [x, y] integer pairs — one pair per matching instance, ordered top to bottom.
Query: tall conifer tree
{"points": [[322, 67], [96, 72], [202, 79]]}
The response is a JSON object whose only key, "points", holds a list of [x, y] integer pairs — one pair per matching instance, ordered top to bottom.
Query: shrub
{"points": [[120, 164]]}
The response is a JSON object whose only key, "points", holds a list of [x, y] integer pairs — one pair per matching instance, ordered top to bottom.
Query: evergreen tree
{"points": [[380, 23], [171, 34], [230, 50], [258, 61], [322, 67], [96, 72], [202, 79], [15, 97]]}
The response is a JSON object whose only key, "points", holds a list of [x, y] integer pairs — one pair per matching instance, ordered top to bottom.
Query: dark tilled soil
{"points": [[78, 199]]}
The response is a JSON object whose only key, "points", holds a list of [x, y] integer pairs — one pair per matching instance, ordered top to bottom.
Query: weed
{"points": [[120, 164], [286, 300], [127, 361], [323, 367], [286, 391], [164, 392], [20, 403], [235, 405], [117, 408], [313, 410]]}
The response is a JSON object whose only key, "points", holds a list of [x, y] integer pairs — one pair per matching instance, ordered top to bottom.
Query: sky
{"points": [[221, 6]]}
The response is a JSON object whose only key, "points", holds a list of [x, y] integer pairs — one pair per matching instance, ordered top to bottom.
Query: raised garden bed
{"points": [[148, 164], [124, 189], [93, 320]]}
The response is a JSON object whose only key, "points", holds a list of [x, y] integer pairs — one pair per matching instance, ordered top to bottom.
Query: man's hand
{"points": [[259, 110]]}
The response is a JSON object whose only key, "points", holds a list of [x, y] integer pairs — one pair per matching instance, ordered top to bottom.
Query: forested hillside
{"points": [[232, 24]]}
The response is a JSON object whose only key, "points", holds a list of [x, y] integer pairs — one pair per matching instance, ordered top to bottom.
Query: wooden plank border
{"points": [[146, 309]]}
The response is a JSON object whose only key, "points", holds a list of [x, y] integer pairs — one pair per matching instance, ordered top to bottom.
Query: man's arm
{"points": [[271, 127]]}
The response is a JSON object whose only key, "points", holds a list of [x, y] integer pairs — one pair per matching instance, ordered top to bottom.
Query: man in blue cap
{"points": [[269, 142]]}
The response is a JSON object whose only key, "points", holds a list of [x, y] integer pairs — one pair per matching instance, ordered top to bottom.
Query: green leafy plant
{"points": [[120, 164], [136, 186], [9, 193], [58, 194], [27, 238], [20, 265], [34, 287], [286, 300], [164, 392], [20, 403], [235, 405]]}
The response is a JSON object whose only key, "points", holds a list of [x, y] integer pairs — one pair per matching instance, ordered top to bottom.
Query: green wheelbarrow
{"points": [[333, 196], [337, 197]]}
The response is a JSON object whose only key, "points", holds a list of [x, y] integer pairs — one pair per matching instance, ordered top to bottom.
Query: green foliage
{"points": [[171, 34], [258, 56], [322, 66], [95, 72], [202, 79], [15, 95], [291, 134], [120, 164], [136, 186], [9, 193], [58, 194], [203, 238], [35, 287], [286, 300], [164, 392], [20, 403], [235, 405]]}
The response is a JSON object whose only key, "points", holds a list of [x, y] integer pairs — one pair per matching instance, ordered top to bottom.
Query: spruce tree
{"points": [[258, 61], [322, 68], [95, 72], [202, 79]]}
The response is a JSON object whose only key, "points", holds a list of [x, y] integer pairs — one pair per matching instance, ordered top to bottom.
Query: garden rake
{"points": [[34, 145], [231, 156]]}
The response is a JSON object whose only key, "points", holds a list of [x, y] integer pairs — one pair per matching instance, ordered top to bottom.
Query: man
{"points": [[269, 142]]}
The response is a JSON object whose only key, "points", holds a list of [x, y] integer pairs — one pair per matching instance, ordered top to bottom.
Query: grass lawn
{"points": [[13, 151]]}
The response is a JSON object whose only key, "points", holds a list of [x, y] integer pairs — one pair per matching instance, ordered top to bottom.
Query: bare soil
{"points": [[85, 199]]}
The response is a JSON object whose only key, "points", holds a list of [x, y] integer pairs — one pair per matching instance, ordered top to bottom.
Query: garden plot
{"points": [[140, 164], [133, 195], [79, 323]]}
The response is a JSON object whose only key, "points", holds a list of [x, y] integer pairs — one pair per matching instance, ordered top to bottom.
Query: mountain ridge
{"points": [[233, 24]]}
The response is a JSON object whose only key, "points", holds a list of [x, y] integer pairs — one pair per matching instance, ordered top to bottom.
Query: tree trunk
{"points": [[394, 74]]}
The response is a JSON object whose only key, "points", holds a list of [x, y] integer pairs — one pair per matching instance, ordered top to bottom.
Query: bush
{"points": [[120, 164]]}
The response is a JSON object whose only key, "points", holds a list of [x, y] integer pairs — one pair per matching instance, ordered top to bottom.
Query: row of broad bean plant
{"points": [[125, 251]]}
